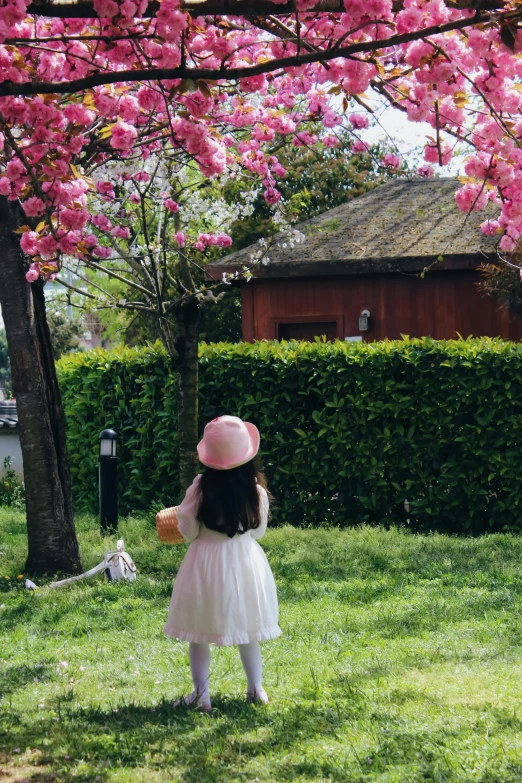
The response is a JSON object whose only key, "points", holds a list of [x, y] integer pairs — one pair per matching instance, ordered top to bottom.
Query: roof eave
{"points": [[365, 266]]}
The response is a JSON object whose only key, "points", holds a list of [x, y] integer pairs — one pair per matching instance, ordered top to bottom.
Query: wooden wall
{"points": [[440, 305]]}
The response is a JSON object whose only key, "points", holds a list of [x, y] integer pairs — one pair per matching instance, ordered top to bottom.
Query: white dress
{"points": [[224, 592]]}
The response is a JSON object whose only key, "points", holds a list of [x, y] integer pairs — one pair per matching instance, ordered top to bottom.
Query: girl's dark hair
{"points": [[229, 500]]}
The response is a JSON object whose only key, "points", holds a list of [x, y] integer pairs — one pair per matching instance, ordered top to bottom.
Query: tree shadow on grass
{"points": [[15, 678], [220, 746], [201, 748]]}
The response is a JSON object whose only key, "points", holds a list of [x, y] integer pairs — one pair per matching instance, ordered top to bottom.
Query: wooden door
{"points": [[307, 330]]}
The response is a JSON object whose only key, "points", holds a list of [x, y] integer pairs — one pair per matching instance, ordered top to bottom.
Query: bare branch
{"points": [[122, 279], [76, 290]]}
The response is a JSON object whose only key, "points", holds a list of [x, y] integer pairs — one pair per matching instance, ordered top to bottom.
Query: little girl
{"points": [[224, 592]]}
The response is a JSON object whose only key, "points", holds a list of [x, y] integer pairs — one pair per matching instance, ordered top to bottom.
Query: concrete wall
{"points": [[10, 447]]}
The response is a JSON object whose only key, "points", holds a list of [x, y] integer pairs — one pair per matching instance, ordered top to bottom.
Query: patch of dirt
{"points": [[20, 772]]}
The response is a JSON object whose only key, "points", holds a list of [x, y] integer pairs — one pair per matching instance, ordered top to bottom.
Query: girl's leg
{"points": [[199, 657], [253, 666]]}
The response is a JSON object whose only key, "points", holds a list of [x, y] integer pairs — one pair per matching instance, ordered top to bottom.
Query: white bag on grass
{"points": [[117, 565]]}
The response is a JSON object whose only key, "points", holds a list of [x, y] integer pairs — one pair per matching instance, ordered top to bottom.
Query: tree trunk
{"points": [[186, 363], [50, 524]]}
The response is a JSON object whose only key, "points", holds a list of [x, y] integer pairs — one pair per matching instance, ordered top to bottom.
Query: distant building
{"points": [[358, 274], [10, 437]]}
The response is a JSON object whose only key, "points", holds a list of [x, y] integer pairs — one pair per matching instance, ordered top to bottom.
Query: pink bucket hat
{"points": [[228, 443]]}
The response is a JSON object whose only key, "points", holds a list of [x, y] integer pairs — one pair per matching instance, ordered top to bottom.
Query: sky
{"points": [[409, 139]]}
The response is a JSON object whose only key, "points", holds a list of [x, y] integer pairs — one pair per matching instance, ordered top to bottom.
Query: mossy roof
{"points": [[403, 225]]}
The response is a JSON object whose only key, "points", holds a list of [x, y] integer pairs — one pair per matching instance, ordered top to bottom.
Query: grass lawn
{"points": [[400, 661]]}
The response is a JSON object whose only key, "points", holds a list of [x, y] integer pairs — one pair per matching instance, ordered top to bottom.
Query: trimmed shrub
{"points": [[132, 392], [420, 432]]}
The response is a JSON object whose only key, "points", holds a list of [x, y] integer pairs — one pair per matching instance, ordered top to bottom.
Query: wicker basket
{"points": [[167, 526]]}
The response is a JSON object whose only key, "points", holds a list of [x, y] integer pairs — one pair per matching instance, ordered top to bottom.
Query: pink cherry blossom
{"points": [[107, 8], [463, 83], [129, 108], [78, 114], [358, 121], [123, 136], [331, 141], [359, 146], [431, 153], [391, 161], [425, 171], [141, 176], [106, 189], [271, 195], [471, 197], [171, 205], [33, 207], [74, 218], [102, 222], [490, 227], [121, 232], [180, 238], [223, 240], [28, 242], [507, 244], [47, 246], [102, 252], [33, 274]]}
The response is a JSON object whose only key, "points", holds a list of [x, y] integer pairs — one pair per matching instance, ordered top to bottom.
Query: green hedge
{"points": [[349, 431]]}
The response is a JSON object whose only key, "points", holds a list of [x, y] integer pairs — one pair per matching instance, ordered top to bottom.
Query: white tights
{"points": [[199, 657]]}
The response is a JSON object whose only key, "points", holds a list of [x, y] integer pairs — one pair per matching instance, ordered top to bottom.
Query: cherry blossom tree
{"points": [[137, 74], [222, 84], [156, 225]]}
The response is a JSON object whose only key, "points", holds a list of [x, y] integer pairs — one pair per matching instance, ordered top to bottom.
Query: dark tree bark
{"points": [[186, 364], [50, 524]]}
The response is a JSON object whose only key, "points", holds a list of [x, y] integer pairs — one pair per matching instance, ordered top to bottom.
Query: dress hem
{"points": [[223, 640]]}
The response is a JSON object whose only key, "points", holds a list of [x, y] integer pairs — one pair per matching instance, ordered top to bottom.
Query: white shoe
{"points": [[258, 697], [194, 700]]}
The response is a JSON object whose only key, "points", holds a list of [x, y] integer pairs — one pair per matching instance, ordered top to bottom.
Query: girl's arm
{"points": [[187, 511], [260, 531]]}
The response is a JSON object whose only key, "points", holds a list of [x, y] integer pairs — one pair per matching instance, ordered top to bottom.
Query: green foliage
{"points": [[317, 179], [503, 283], [221, 322], [65, 333], [5, 370], [131, 391], [351, 433], [11, 489], [399, 662]]}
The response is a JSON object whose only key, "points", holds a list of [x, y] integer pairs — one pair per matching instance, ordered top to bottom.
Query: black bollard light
{"points": [[108, 462]]}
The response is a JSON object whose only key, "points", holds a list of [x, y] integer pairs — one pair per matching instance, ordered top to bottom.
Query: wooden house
{"points": [[401, 259]]}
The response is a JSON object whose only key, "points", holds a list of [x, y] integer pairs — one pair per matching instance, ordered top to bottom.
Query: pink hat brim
{"points": [[250, 453]]}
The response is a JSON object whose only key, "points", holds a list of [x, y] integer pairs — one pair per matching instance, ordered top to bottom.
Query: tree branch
{"points": [[85, 10], [152, 74], [122, 279], [72, 288]]}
